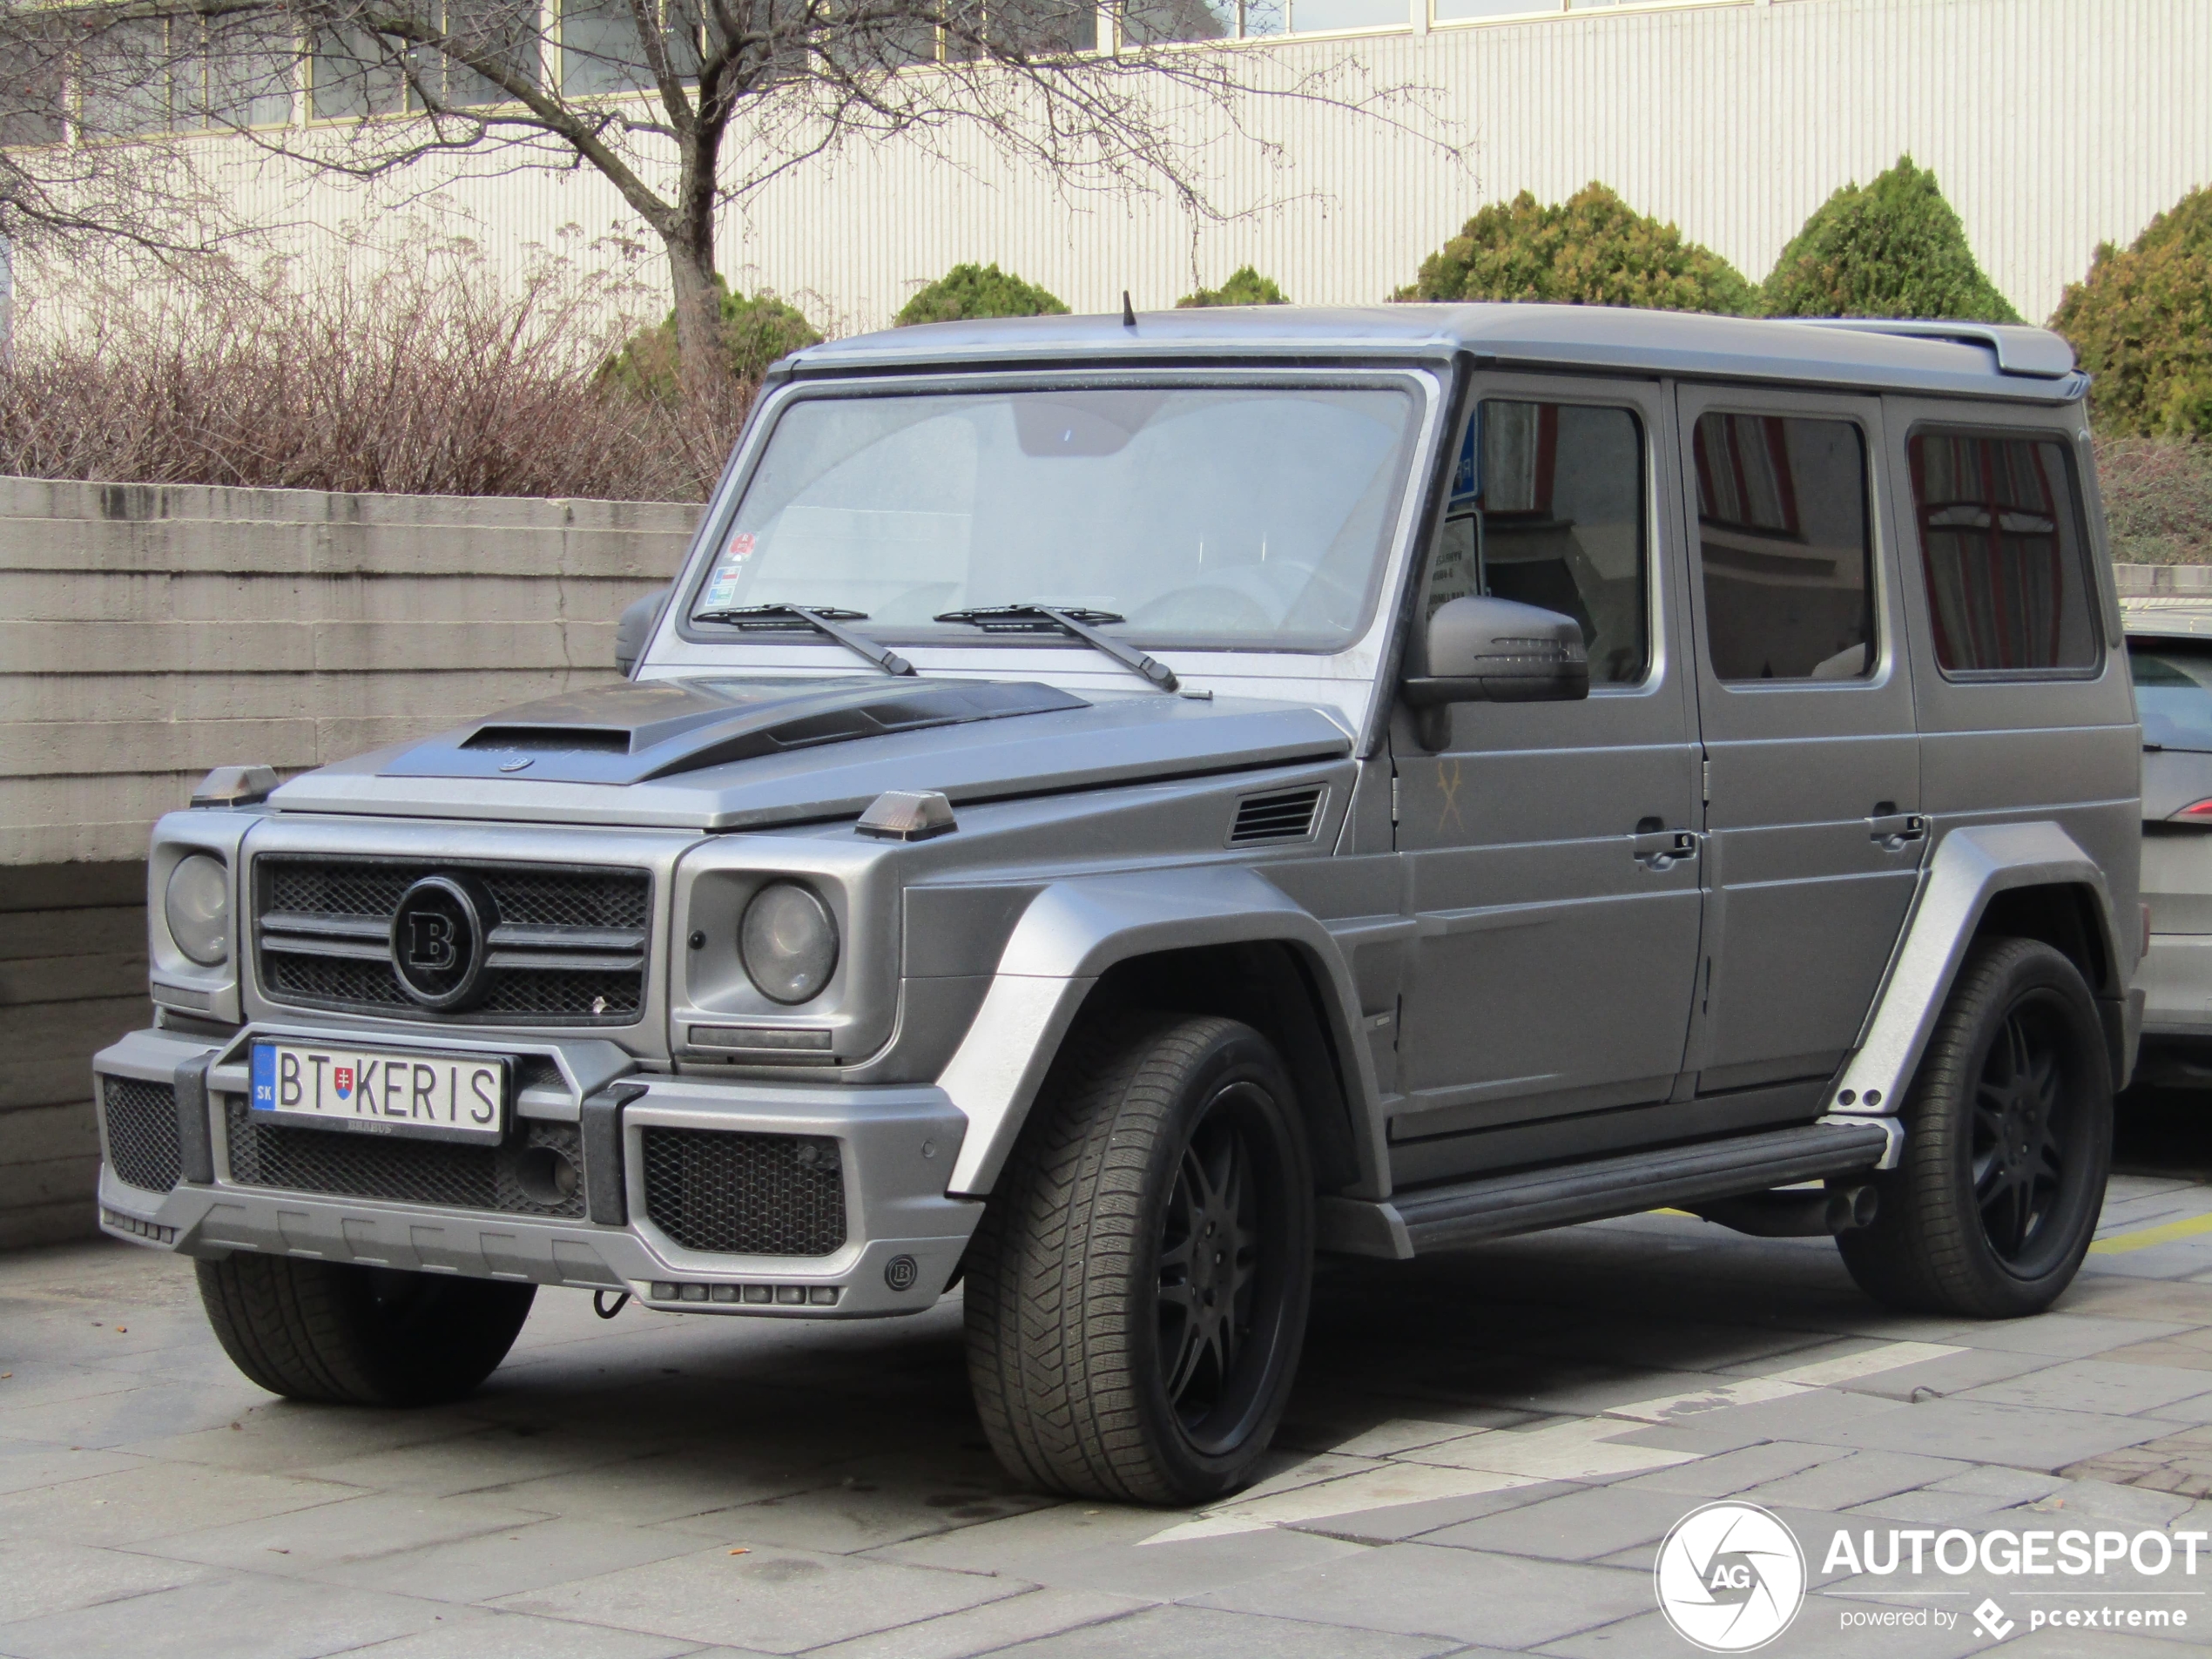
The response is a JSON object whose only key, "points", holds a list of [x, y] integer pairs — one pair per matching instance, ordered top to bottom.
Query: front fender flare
{"points": [[1970, 867], [1070, 935]]}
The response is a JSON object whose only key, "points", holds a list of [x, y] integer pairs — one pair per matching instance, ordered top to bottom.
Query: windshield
{"points": [[1240, 518], [2173, 694]]}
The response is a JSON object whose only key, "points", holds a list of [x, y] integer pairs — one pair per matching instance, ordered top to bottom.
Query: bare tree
{"points": [[684, 106]]}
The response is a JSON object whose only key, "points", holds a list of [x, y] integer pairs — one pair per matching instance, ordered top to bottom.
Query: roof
{"points": [[1974, 359]]}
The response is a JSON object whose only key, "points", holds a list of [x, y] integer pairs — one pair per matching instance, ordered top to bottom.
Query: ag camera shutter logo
{"points": [[1730, 1577]]}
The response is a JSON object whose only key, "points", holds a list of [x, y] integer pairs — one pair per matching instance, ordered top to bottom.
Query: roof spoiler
{"points": [[2035, 353]]}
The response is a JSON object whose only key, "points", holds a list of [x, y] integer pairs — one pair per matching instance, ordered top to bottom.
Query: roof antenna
{"points": [[1128, 311]]}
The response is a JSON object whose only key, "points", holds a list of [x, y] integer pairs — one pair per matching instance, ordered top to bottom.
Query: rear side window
{"points": [[2001, 542], [1784, 549]]}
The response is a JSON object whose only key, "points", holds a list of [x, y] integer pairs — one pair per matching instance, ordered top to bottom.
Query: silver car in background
{"points": [[2170, 651]]}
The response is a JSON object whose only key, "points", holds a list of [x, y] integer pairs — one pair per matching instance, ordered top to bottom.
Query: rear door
{"points": [[1804, 698]]}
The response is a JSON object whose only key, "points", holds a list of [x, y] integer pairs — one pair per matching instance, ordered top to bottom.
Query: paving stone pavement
{"points": [[1483, 1455]]}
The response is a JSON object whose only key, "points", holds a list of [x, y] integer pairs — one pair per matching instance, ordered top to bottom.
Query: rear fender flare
{"points": [[1969, 869], [1075, 931]]}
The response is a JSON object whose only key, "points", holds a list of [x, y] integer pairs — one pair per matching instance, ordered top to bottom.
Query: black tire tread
{"points": [[1921, 1255], [297, 1327], [1049, 1349]]}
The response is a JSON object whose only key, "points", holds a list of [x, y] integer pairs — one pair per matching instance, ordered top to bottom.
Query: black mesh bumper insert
{"points": [[143, 1148], [511, 1178], [745, 1195]]}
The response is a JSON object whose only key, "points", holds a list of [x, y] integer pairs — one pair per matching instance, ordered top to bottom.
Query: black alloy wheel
{"points": [[2019, 1131], [2007, 1144], [1220, 1274], [1136, 1293]]}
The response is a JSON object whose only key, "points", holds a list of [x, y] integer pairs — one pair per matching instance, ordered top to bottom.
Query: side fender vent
{"points": [[1287, 815]]}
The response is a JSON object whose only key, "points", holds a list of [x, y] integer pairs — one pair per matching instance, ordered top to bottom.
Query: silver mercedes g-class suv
{"points": [[1113, 806]]}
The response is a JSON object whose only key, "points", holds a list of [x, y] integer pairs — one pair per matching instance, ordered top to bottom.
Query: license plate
{"points": [[429, 1096]]}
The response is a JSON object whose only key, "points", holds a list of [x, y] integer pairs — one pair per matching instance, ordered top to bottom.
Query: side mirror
{"points": [[634, 627], [1486, 650]]}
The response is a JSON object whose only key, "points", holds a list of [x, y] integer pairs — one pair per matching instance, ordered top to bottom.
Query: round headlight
{"points": [[197, 908], [788, 943]]}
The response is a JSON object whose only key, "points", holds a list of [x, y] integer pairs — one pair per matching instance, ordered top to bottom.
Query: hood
{"points": [[628, 733], [735, 754]]}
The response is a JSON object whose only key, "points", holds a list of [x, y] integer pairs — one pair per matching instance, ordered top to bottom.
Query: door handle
{"points": [[1896, 830], [1658, 850]]}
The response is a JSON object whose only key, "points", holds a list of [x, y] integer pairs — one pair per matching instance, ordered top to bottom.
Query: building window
{"points": [[601, 53], [358, 73], [139, 76], [2001, 546], [1785, 551]]}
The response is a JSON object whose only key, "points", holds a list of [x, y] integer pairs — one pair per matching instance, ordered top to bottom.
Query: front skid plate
{"points": [[212, 1222]]}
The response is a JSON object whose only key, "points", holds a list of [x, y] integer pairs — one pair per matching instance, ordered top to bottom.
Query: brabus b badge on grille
{"points": [[438, 937]]}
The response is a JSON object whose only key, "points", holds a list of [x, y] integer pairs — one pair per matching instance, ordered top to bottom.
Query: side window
{"points": [[1547, 508], [2001, 542], [1783, 548]]}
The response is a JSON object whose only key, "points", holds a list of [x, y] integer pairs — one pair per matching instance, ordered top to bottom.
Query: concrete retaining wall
{"points": [[148, 634]]}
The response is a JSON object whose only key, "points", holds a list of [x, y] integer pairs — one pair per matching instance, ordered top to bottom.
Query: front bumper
{"points": [[903, 1237]]}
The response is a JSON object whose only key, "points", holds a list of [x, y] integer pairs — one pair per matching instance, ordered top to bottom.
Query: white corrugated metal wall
{"points": [[2052, 124]]}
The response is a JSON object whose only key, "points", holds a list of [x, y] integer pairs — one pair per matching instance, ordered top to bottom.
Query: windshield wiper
{"points": [[823, 619], [1082, 624]]}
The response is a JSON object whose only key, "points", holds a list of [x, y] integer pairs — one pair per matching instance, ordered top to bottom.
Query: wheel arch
{"points": [[2031, 881], [1211, 939]]}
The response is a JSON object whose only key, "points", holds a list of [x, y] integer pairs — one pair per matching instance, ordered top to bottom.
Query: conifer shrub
{"points": [[1893, 247], [1593, 249], [1245, 286], [969, 291], [2141, 323], [755, 333]]}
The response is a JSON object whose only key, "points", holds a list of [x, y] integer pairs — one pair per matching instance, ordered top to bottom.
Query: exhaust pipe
{"points": [[1793, 1215]]}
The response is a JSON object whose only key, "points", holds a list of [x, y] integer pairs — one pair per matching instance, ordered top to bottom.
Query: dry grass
{"points": [[430, 380], [2158, 499]]}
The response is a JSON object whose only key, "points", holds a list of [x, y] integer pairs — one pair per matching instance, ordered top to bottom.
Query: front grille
{"points": [[567, 945], [143, 1148], [514, 1177], [745, 1195]]}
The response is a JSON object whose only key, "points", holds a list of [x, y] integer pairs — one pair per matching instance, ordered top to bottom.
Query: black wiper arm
{"points": [[823, 619], [1084, 625]]}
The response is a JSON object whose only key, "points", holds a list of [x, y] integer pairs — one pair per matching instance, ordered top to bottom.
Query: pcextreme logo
{"points": [[1730, 1577]]}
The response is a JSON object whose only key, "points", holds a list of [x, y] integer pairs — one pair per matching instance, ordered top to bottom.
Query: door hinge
{"points": [[1705, 782], [1393, 797]]}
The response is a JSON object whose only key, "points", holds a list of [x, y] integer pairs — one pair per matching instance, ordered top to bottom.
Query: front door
{"points": [[1805, 705], [1552, 847]]}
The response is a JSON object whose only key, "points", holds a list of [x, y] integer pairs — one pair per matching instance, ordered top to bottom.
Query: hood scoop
{"points": [[629, 733]]}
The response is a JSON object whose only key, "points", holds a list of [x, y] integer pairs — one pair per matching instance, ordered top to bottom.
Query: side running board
{"points": [[1498, 1206]]}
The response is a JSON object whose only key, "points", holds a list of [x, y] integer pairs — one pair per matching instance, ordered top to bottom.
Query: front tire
{"points": [[2008, 1143], [1137, 1291], [339, 1333]]}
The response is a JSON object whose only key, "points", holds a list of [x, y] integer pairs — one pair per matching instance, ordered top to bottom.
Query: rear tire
{"points": [[2007, 1144], [1137, 1291], [342, 1334]]}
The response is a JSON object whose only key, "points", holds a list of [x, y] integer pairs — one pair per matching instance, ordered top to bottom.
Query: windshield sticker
{"points": [[722, 587]]}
